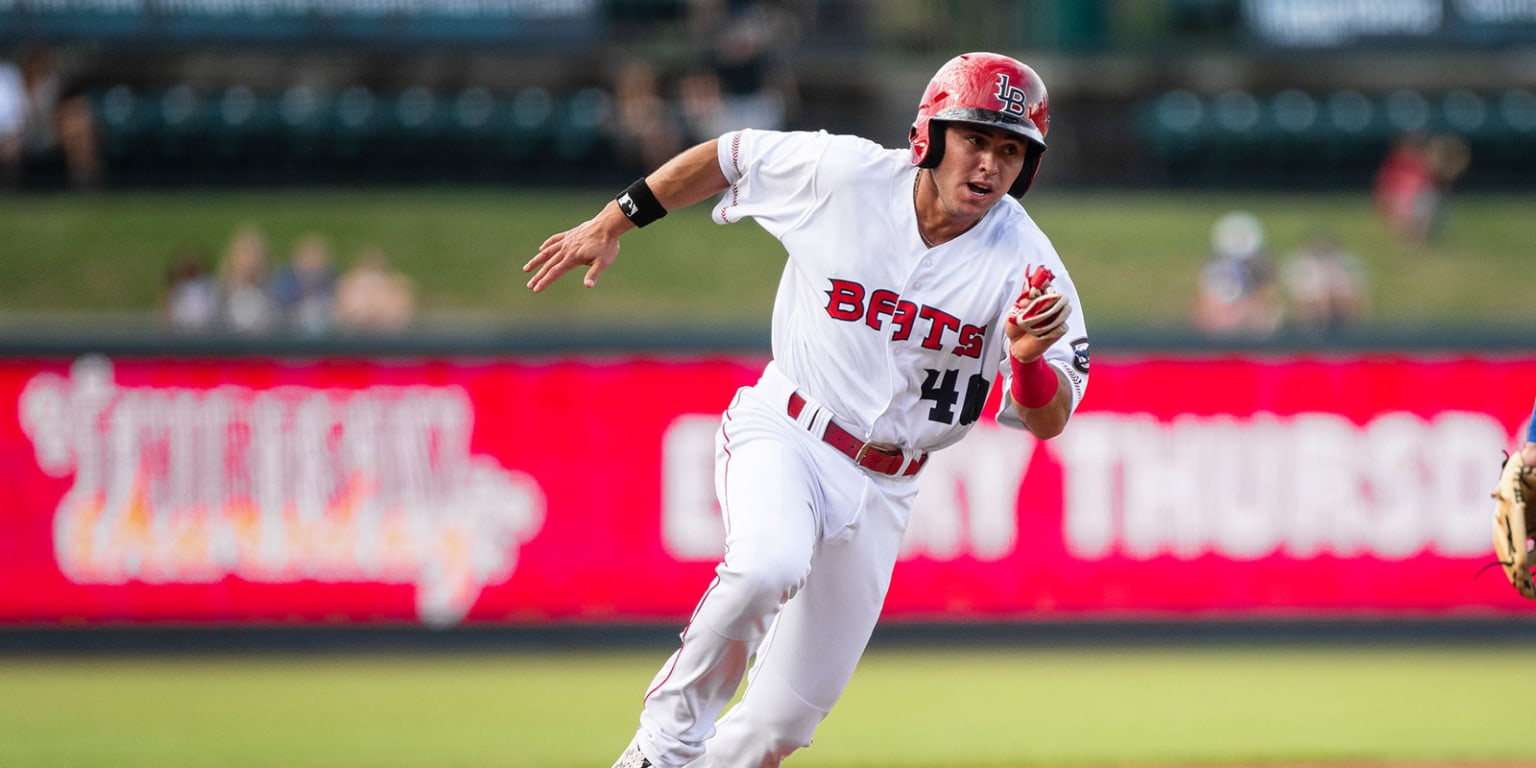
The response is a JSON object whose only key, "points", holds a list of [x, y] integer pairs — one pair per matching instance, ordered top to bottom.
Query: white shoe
{"points": [[632, 758]]}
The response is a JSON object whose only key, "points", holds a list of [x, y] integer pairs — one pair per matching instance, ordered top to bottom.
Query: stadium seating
{"points": [[241, 134], [302, 134], [1300, 139]]}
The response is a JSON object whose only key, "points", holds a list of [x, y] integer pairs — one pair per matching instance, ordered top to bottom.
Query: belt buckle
{"points": [[886, 451]]}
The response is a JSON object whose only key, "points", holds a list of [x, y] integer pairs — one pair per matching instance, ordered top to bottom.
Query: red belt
{"points": [[886, 461]]}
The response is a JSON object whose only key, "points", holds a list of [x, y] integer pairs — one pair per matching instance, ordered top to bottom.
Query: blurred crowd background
{"points": [[1408, 98]]}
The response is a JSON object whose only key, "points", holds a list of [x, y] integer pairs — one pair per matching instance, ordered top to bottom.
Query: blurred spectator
{"points": [[744, 80], [13, 120], [56, 120], [646, 130], [1449, 155], [1412, 182], [1407, 197], [1328, 286], [304, 290], [1238, 291], [372, 296], [191, 298], [245, 306]]}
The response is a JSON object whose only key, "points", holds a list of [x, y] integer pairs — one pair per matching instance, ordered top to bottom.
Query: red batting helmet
{"points": [[985, 89]]}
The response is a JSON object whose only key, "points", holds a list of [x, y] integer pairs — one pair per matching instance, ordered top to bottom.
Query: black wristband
{"points": [[639, 203]]}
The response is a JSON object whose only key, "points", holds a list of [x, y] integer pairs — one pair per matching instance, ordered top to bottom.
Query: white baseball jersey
{"points": [[900, 341]]}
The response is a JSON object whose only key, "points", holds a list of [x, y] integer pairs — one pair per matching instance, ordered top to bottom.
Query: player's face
{"points": [[980, 164]]}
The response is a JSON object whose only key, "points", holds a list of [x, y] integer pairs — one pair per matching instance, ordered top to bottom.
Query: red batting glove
{"points": [[1040, 309]]}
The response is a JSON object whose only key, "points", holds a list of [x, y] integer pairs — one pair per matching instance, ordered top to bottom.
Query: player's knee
{"points": [[767, 582], [748, 599], [769, 744], [776, 750]]}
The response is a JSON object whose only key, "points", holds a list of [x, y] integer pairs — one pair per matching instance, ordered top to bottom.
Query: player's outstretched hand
{"points": [[593, 244]]}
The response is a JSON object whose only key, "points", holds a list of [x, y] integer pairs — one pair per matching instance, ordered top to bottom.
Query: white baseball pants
{"points": [[811, 540]]}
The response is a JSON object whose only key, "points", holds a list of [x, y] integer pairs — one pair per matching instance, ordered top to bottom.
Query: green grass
{"points": [[1133, 255], [926, 709]]}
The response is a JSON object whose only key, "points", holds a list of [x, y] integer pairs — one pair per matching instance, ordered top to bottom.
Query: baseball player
{"points": [[914, 279], [1528, 450], [1514, 514]]}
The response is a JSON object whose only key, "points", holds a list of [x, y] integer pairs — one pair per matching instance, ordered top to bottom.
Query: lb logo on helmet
{"points": [[983, 89], [1013, 98]]}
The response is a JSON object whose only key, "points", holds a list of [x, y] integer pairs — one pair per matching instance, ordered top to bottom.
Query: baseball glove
{"points": [[1512, 523]]}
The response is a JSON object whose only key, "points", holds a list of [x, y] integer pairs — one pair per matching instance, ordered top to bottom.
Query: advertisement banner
{"points": [[536, 490]]}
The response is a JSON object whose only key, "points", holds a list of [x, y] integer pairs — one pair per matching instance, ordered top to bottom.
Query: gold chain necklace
{"points": [[916, 214]]}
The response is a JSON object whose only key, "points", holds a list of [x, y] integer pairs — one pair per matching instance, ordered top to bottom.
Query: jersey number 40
{"points": [[940, 387]]}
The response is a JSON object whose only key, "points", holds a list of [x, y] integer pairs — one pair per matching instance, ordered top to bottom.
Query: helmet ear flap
{"points": [[918, 142], [935, 151], [1027, 173]]}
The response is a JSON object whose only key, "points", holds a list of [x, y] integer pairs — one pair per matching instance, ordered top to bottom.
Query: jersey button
{"points": [[927, 263]]}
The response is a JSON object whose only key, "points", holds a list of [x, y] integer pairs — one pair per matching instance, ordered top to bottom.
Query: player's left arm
{"points": [[1027, 353], [1040, 393]]}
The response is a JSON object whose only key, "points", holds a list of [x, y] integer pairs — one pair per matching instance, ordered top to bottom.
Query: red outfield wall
{"points": [[525, 491]]}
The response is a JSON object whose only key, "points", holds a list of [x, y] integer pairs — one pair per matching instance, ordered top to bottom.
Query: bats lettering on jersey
{"points": [[850, 301]]}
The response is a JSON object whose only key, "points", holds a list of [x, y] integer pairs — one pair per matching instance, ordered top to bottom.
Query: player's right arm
{"points": [[691, 177], [1528, 450]]}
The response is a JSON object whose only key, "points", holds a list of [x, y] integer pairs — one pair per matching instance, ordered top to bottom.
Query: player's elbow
{"points": [[1048, 422], [1047, 431]]}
